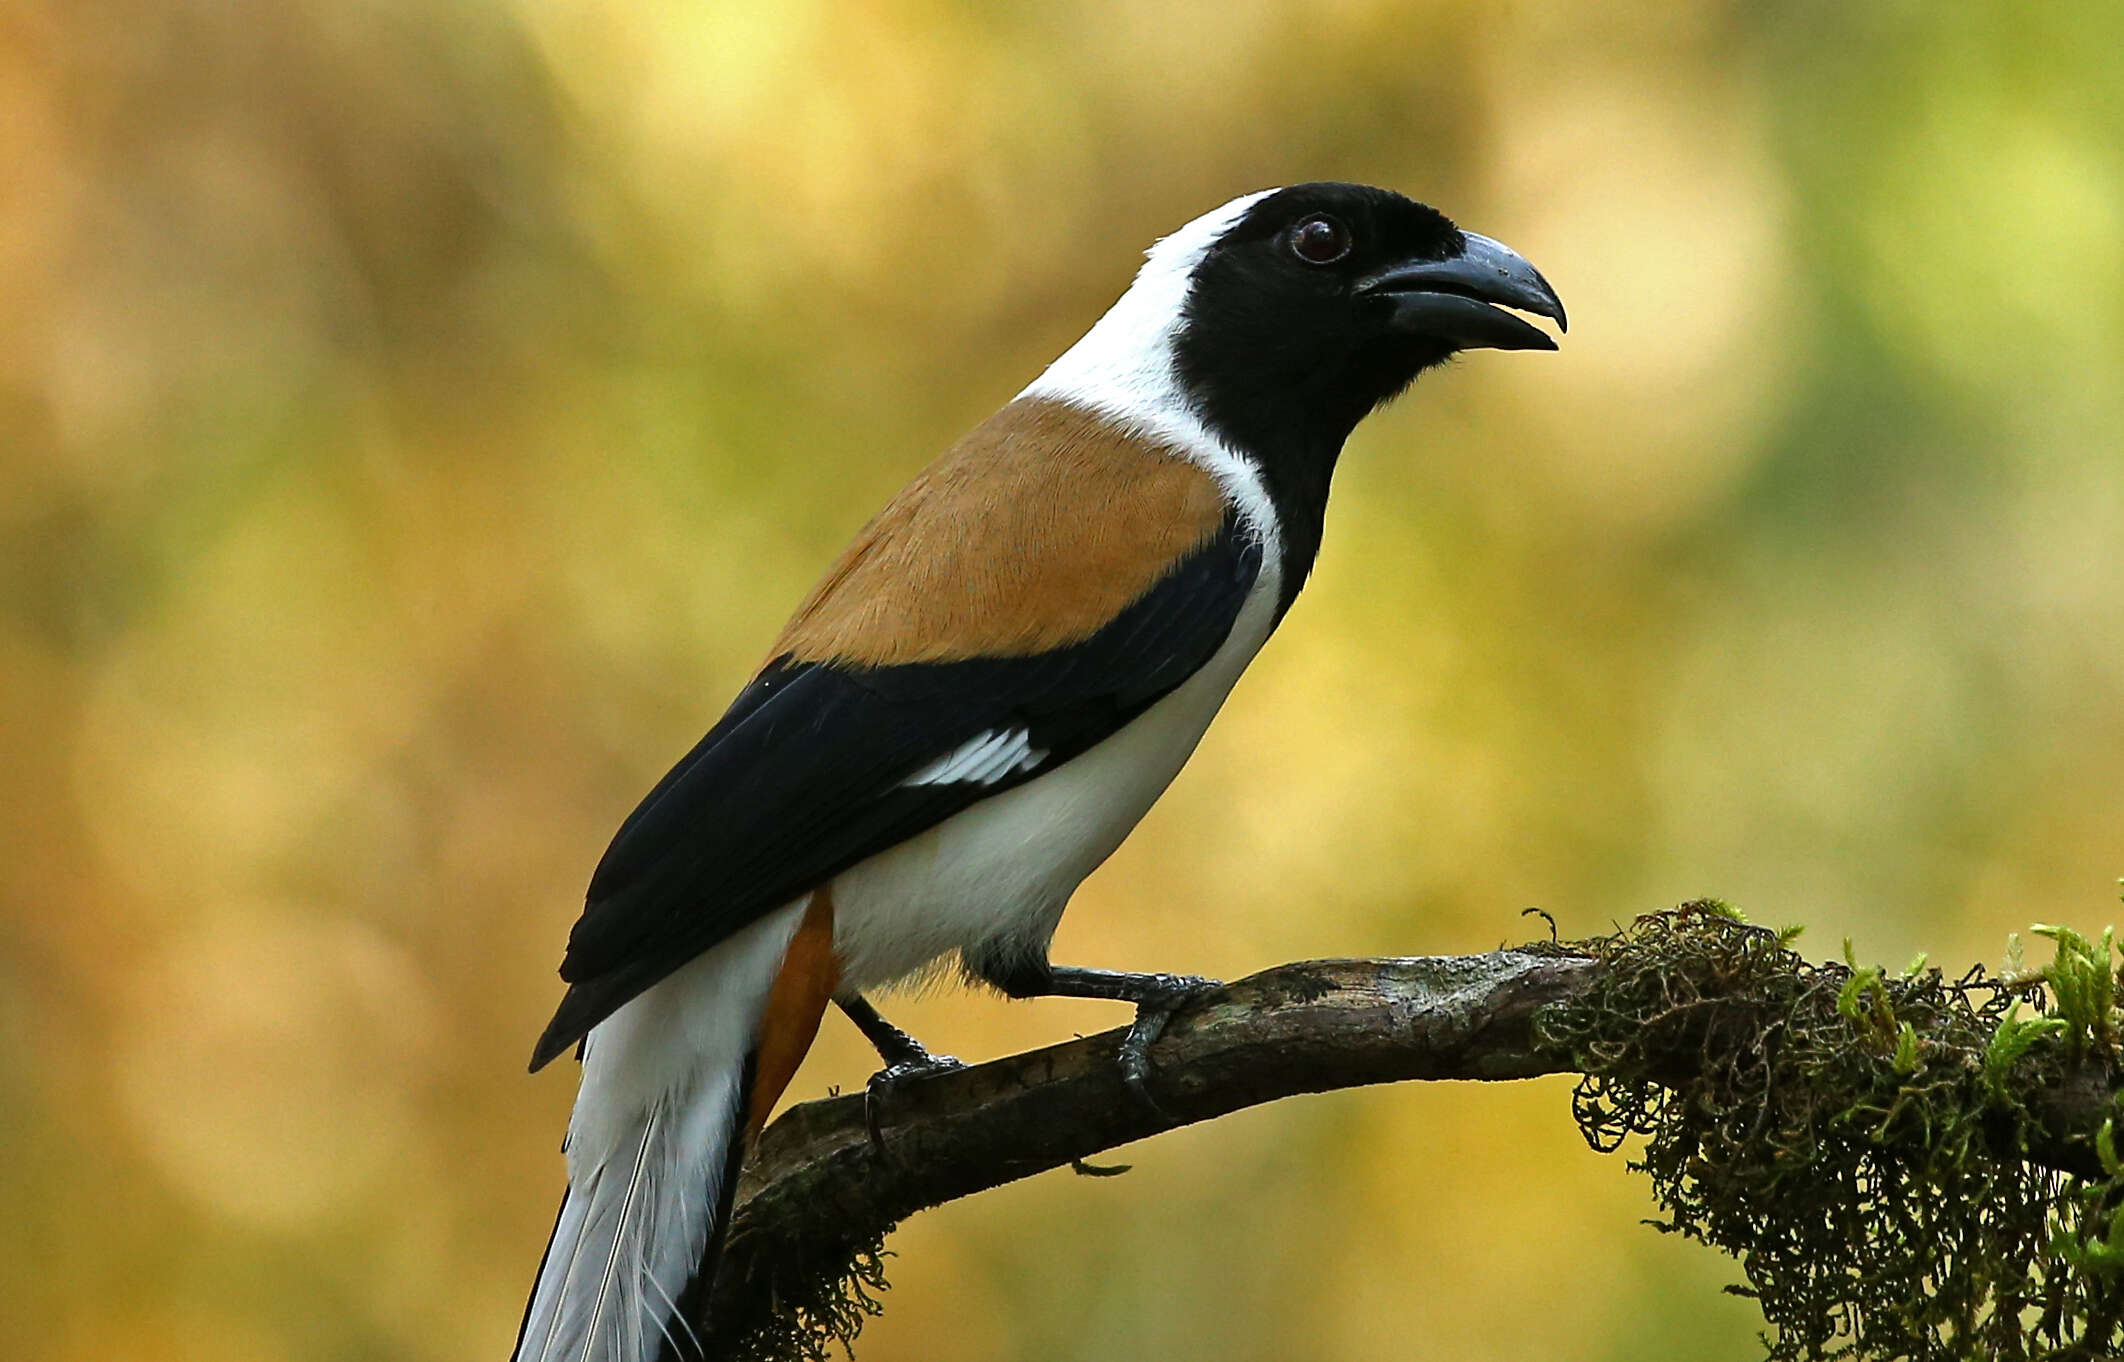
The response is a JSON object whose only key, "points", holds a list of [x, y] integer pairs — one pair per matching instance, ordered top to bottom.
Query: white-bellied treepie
{"points": [[973, 709]]}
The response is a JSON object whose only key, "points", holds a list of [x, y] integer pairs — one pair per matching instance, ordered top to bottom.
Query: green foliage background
{"points": [[414, 421]]}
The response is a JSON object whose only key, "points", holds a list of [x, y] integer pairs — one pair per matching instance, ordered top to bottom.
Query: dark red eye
{"points": [[1320, 240]]}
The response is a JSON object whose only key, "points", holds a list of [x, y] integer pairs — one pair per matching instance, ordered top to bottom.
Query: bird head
{"points": [[1308, 307], [1270, 327]]}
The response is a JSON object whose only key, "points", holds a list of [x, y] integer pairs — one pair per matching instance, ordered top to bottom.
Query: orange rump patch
{"points": [[1032, 533], [810, 972]]}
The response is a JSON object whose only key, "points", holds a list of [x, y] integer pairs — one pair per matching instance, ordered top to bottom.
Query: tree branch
{"points": [[1686, 1001], [818, 1191]]}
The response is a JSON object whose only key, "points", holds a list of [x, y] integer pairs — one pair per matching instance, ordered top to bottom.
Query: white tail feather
{"points": [[647, 1147], [624, 1216]]}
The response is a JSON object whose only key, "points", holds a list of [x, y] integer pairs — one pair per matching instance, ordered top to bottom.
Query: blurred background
{"points": [[415, 421]]}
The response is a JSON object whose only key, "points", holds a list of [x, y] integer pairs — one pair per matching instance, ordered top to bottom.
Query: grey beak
{"points": [[1452, 299]]}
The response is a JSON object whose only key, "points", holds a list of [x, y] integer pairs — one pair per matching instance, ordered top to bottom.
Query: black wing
{"points": [[806, 775]]}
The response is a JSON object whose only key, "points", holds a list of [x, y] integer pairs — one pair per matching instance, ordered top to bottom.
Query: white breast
{"points": [[994, 878]]}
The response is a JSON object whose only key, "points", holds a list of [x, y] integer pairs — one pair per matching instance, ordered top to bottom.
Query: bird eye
{"points": [[1320, 240]]}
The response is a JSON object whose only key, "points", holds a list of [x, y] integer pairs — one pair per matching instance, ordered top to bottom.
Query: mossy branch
{"points": [[1904, 1166]]}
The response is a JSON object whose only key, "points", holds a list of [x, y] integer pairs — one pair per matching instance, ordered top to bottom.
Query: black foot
{"points": [[1164, 995], [1156, 996], [893, 1045], [904, 1056], [920, 1064]]}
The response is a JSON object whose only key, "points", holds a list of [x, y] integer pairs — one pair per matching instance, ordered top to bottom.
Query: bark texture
{"points": [[1670, 1021], [818, 1190]]}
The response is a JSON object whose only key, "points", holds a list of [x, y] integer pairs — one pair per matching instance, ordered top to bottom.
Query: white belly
{"points": [[993, 879]]}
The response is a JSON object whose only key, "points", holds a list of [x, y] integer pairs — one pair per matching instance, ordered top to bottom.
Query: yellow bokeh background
{"points": [[416, 419]]}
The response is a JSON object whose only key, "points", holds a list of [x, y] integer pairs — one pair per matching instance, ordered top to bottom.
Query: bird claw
{"points": [[1166, 995], [921, 1064]]}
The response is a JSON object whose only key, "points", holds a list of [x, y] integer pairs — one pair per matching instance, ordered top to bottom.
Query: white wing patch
{"points": [[984, 760]]}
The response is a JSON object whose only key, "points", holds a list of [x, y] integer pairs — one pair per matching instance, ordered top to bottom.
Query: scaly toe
{"points": [[1181, 989], [1175, 991], [921, 1066], [885, 1079]]}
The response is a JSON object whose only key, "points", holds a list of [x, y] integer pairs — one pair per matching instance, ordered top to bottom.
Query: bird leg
{"points": [[1158, 997], [904, 1056]]}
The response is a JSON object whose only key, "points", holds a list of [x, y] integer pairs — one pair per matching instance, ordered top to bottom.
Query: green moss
{"points": [[1883, 1155]]}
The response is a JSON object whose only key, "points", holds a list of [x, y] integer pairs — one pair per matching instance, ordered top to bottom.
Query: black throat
{"points": [[1282, 358], [1292, 432]]}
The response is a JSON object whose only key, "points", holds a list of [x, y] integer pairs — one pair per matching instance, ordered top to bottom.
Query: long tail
{"points": [[674, 1084]]}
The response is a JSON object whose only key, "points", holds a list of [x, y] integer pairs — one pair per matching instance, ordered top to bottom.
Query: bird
{"points": [[971, 711]]}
